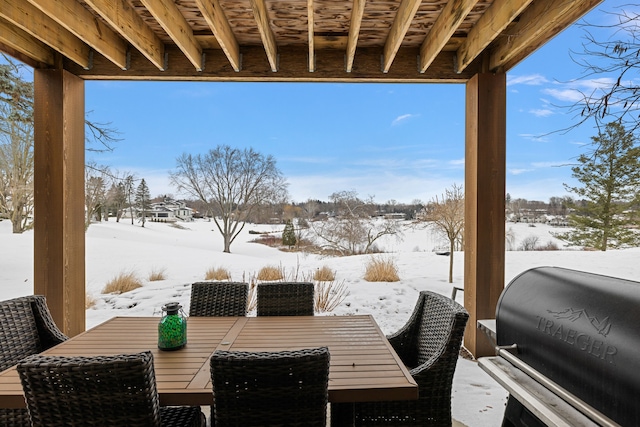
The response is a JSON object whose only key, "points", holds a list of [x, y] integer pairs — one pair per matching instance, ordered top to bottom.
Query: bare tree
{"points": [[611, 56], [16, 143], [16, 147], [232, 182], [95, 192], [446, 215], [354, 229]]}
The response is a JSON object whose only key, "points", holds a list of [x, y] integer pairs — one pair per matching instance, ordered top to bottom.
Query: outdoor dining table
{"points": [[363, 367]]}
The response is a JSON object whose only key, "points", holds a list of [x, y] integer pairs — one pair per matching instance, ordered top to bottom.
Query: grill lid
{"points": [[580, 330]]}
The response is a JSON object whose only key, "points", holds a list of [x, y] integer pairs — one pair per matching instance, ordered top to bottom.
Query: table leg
{"points": [[343, 415]]}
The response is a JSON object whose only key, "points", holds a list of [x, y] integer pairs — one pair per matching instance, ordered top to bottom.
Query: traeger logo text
{"points": [[582, 341]]}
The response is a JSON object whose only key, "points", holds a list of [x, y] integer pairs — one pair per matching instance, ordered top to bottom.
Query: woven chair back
{"points": [[219, 299], [285, 299], [270, 388]]}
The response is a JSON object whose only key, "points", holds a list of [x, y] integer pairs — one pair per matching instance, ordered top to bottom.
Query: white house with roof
{"points": [[170, 210]]}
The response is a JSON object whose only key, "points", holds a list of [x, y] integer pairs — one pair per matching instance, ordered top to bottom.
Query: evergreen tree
{"points": [[610, 178], [143, 200], [289, 234]]}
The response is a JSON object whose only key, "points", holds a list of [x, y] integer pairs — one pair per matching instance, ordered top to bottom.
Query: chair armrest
{"points": [[49, 333]]}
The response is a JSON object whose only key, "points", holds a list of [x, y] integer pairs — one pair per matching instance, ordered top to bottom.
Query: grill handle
{"points": [[587, 410]]}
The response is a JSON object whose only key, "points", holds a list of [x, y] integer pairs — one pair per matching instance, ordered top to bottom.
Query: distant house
{"points": [[170, 210], [395, 215]]}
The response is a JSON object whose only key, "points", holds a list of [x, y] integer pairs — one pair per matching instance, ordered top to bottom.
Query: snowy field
{"points": [[185, 254]]}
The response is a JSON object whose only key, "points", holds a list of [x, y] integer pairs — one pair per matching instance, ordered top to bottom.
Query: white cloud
{"points": [[530, 80], [571, 95], [541, 112], [403, 118], [535, 138], [457, 162], [548, 164], [519, 171]]}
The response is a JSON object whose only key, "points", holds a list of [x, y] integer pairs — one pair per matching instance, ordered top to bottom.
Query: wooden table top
{"points": [[364, 366]]}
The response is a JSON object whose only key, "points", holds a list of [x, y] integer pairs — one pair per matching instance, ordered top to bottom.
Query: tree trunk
{"points": [[451, 247]]}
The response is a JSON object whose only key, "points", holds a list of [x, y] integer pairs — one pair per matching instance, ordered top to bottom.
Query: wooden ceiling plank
{"points": [[406, 11], [357, 12], [123, 18], [450, 18], [537, 19], [567, 19], [31, 20], [171, 20], [217, 21], [84, 25], [488, 28], [268, 38], [24, 43], [312, 59], [293, 67]]}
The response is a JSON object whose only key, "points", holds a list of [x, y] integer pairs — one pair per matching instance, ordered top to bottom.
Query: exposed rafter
{"points": [[357, 12], [121, 16], [29, 18], [450, 18], [536, 20], [172, 21], [217, 21], [562, 22], [401, 23], [84, 25], [489, 26], [268, 38], [25, 44], [312, 58]]}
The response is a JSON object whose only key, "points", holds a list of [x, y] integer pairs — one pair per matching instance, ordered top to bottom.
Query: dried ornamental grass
{"points": [[381, 270], [217, 273], [270, 273], [324, 274], [157, 275], [123, 282], [329, 295], [89, 302]]}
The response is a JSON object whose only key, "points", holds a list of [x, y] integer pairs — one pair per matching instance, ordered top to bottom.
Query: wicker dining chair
{"points": [[219, 299], [285, 299], [26, 328], [429, 345], [283, 388], [98, 391]]}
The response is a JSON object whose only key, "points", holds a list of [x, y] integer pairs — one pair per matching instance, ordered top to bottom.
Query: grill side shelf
{"points": [[542, 402]]}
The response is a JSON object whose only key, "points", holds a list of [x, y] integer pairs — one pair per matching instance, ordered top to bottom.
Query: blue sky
{"points": [[388, 141]]}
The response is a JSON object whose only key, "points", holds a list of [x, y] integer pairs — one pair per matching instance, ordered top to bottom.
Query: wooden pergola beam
{"points": [[357, 11], [499, 15], [261, 16], [122, 17], [30, 19], [216, 19], [538, 19], [172, 21], [448, 21], [563, 22], [81, 23], [399, 28], [25, 44], [312, 59], [292, 67], [484, 220], [59, 245]]}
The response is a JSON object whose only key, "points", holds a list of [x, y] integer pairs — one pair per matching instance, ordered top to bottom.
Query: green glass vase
{"points": [[172, 329]]}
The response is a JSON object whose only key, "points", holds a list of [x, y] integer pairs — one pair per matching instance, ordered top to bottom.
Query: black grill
{"points": [[579, 330]]}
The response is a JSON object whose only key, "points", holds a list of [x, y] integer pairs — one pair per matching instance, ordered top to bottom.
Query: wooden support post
{"points": [[485, 164], [59, 245]]}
